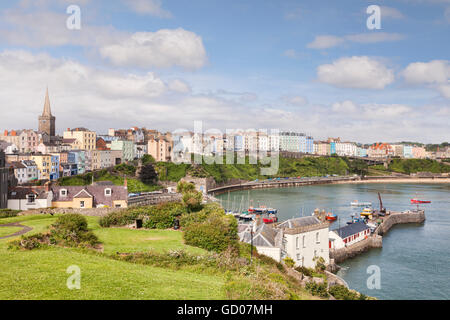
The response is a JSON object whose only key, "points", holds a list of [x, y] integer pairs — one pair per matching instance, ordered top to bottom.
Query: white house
{"points": [[32, 170], [20, 172], [28, 198], [348, 235], [301, 239]]}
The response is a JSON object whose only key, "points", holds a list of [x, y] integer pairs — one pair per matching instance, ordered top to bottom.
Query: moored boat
{"points": [[416, 201], [357, 203], [366, 212], [331, 216]]}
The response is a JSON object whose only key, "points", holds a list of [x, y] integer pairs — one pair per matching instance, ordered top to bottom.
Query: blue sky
{"points": [[310, 66]]}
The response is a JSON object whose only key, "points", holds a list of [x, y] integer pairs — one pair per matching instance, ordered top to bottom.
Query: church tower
{"points": [[46, 120]]}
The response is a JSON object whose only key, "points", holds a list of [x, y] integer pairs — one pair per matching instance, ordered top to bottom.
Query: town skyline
{"points": [[333, 79]]}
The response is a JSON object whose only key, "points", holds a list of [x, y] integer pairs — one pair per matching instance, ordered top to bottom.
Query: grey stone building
{"points": [[47, 120]]}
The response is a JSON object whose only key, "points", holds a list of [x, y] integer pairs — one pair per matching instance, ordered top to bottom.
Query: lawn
{"points": [[4, 231], [41, 274]]}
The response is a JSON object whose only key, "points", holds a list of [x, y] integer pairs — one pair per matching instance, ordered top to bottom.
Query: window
{"points": [[63, 192], [108, 192], [31, 198], [81, 204], [118, 206], [317, 238], [304, 241], [297, 243], [298, 257]]}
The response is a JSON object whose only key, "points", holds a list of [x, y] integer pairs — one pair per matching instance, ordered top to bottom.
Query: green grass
{"points": [[6, 231], [41, 274]]}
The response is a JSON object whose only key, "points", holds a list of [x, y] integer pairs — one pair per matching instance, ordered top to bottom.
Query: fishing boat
{"points": [[416, 201], [356, 203], [367, 212], [246, 216], [331, 216], [271, 218], [355, 220]]}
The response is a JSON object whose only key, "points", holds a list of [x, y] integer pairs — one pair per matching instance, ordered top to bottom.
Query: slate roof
{"points": [[96, 191], [21, 193], [299, 222], [351, 229], [264, 236]]}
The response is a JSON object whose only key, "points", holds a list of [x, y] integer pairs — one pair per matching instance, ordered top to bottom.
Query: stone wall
{"points": [[153, 199], [94, 212], [397, 218], [340, 255]]}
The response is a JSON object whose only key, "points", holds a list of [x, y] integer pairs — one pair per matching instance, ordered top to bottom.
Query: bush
{"points": [[184, 187], [193, 200], [8, 213], [118, 218], [159, 220], [72, 230], [216, 233], [289, 262], [320, 264], [305, 271], [317, 289], [341, 292]]}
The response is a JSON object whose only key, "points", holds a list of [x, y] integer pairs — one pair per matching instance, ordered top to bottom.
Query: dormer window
{"points": [[108, 192], [63, 193], [31, 198]]}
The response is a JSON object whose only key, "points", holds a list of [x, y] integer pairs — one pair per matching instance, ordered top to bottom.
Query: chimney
{"points": [[5, 133], [125, 183], [47, 186]]}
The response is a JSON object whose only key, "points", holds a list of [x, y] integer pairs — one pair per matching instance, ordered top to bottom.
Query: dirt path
{"points": [[18, 233]]}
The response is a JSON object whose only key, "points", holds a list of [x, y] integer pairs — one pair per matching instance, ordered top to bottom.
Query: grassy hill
{"points": [[41, 273]]}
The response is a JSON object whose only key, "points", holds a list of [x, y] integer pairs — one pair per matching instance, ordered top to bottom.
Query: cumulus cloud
{"points": [[148, 7], [392, 13], [330, 41], [163, 48], [356, 72], [435, 74], [180, 86], [297, 101], [345, 107]]}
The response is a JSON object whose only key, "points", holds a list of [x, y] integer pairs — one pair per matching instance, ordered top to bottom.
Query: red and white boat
{"points": [[416, 201], [270, 219]]}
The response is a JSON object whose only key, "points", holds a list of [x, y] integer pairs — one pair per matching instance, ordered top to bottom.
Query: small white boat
{"points": [[356, 203]]}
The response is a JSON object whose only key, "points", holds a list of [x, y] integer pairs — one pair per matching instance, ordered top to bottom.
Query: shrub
{"points": [[184, 187], [193, 200], [8, 213], [118, 218], [159, 220], [72, 230], [216, 233], [289, 262], [320, 264], [305, 271], [317, 289], [341, 292]]}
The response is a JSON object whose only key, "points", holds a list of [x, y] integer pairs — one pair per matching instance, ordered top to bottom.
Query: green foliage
{"points": [[147, 159], [409, 166], [126, 169], [168, 171], [148, 175], [184, 187], [193, 200], [8, 213], [118, 218], [71, 230], [216, 233], [289, 262], [320, 264], [305, 271], [317, 289], [341, 292]]}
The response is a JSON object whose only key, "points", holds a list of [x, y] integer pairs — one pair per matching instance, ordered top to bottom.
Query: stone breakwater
{"points": [[376, 239]]}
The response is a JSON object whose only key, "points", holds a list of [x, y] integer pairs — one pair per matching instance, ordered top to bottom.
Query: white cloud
{"points": [[148, 7], [389, 12], [329, 41], [325, 42], [164, 48], [356, 72], [433, 72], [180, 86], [297, 101], [345, 107]]}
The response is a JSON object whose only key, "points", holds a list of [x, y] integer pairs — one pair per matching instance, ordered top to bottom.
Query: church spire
{"points": [[47, 111]]}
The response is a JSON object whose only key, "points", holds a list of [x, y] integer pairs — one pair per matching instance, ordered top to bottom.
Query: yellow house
{"points": [[85, 139], [44, 165], [87, 197]]}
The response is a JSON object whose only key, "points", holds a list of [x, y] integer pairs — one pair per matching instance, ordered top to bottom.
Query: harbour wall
{"points": [[376, 239], [339, 255]]}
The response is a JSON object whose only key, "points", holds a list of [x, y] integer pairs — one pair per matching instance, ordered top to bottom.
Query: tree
{"points": [[147, 159], [148, 174], [183, 187], [193, 200]]}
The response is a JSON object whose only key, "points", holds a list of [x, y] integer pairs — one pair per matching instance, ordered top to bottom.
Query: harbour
{"points": [[420, 244]]}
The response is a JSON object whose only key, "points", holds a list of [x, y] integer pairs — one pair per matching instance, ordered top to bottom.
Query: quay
{"points": [[376, 240]]}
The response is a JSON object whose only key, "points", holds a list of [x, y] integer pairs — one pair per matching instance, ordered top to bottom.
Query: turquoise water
{"points": [[415, 258]]}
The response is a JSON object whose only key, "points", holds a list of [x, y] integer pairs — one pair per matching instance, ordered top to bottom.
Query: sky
{"points": [[306, 66]]}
